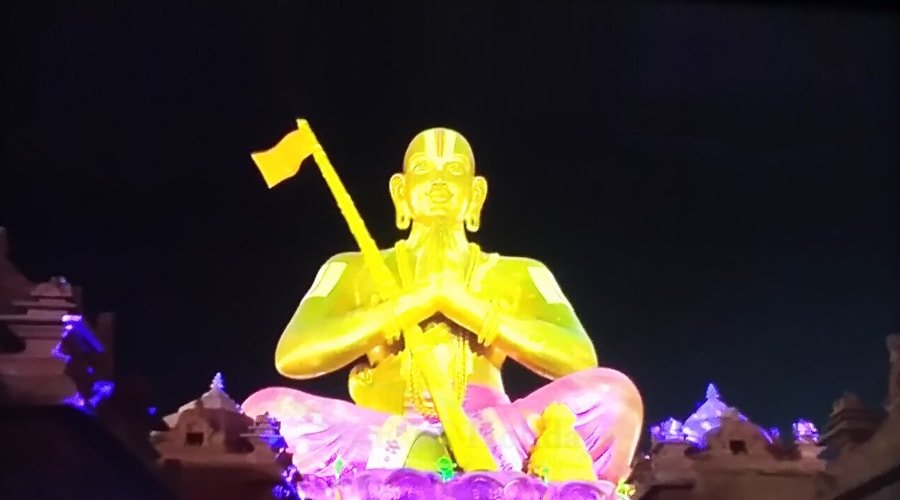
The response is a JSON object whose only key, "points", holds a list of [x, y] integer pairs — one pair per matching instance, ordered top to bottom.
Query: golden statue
{"points": [[429, 324]]}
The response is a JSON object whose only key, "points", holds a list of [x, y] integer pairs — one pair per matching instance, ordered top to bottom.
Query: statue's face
{"points": [[438, 181], [438, 186]]}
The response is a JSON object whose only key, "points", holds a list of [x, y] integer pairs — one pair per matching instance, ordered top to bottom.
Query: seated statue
{"points": [[476, 309]]}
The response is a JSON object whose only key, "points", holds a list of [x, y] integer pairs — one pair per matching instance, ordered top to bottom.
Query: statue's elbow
{"points": [[585, 359], [593, 361], [293, 362], [285, 366], [298, 368]]}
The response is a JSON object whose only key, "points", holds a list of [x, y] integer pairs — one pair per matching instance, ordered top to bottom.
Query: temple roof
{"points": [[214, 399], [708, 416]]}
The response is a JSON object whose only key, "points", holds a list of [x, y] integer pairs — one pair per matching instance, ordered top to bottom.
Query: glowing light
{"points": [[58, 351], [218, 382], [101, 390], [75, 400], [707, 417], [668, 431], [805, 432], [446, 468], [625, 490], [284, 492]]}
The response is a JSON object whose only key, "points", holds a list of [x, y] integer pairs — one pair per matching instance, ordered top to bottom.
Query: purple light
{"points": [[75, 323], [58, 353], [218, 382], [101, 390], [712, 392], [75, 400], [151, 411], [707, 417], [668, 431], [805, 432], [284, 492]]}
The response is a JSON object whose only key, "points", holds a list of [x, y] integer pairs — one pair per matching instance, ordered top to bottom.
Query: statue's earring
{"points": [[402, 219], [473, 222]]}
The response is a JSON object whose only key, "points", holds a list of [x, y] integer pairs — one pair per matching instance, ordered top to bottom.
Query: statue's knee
{"points": [[613, 390]]}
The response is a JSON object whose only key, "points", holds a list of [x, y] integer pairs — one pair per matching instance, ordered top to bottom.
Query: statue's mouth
{"points": [[439, 195]]}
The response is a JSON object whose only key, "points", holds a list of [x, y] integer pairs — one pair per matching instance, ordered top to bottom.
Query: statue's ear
{"points": [[396, 186], [479, 192], [476, 203], [401, 208]]}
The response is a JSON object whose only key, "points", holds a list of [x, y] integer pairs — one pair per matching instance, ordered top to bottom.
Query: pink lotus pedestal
{"points": [[417, 485]]}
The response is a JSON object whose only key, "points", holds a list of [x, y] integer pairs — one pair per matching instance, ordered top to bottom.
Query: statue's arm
{"points": [[334, 325], [542, 331]]}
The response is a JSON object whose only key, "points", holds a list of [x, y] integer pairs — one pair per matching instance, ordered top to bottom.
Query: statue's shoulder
{"points": [[348, 258], [515, 263], [513, 268], [533, 273]]}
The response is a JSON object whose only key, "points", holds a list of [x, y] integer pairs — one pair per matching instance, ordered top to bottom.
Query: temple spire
{"points": [[218, 382], [712, 393]]}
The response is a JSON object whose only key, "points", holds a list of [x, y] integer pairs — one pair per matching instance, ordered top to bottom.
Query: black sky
{"points": [[714, 186]]}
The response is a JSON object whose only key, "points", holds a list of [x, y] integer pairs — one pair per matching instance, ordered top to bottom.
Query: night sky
{"points": [[714, 186]]}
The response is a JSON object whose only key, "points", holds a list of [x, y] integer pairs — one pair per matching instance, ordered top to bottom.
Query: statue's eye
{"points": [[420, 167], [455, 168]]}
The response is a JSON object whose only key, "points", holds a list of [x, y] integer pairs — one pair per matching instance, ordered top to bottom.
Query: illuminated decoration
{"points": [[419, 313], [76, 333], [218, 383], [101, 390], [76, 400], [707, 417], [669, 431], [805, 432], [271, 433], [446, 468], [291, 479], [625, 490], [283, 492]]}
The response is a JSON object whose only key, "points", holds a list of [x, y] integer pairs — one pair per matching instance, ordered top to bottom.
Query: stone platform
{"points": [[417, 485]]}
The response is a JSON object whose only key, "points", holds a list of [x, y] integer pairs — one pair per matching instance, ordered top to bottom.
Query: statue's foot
{"points": [[426, 452], [559, 454]]}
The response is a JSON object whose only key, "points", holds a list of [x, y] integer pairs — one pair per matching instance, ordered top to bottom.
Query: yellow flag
{"points": [[284, 159]]}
